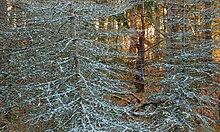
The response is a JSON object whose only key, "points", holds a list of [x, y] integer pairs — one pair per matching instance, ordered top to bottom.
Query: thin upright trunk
{"points": [[3, 6], [3, 14], [172, 29], [208, 32], [157, 36], [133, 41], [74, 43], [140, 83]]}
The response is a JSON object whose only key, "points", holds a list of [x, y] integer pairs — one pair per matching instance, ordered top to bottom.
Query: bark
{"points": [[3, 5], [3, 10], [172, 29], [157, 32], [208, 32], [133, 41], [140, 83]]}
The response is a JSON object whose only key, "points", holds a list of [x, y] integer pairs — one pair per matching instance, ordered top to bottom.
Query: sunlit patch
{"points": [[216, 54]]}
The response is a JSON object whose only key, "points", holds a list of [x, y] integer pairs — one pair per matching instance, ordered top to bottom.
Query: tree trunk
{"points": [[3, 10], [172, 39], [133, 40], [140, 83]]}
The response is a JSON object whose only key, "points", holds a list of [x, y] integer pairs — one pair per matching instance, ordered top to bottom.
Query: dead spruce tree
{"points": [[53, 66], [189, 88]]}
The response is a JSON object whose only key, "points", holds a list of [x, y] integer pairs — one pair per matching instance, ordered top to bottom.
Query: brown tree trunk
{"points": [[3, 5], [3, 10], [172, 29], [208, 32], [133, 40], [157, 53], [140, 83]]}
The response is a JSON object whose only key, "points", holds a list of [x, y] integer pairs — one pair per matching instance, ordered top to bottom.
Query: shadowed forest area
{"points": [[110, 65]]}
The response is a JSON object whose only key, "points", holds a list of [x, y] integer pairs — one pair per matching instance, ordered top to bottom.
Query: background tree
{"points": [[176, 105]]}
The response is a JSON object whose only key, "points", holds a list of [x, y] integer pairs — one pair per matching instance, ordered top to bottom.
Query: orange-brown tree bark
{"points": [[140, 83]]}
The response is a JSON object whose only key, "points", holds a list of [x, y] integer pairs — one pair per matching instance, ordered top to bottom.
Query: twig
{"points": [[135, 96], [121, 98]]}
